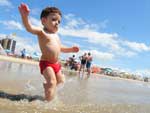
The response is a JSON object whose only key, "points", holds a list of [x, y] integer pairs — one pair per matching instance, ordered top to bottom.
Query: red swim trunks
{"points": [[44, 64]]}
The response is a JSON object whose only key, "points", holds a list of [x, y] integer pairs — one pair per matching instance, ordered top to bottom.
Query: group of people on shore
{"points": [[86, 61], [84, 65]]}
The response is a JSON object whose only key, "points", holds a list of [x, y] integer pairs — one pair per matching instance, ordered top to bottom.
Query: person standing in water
{"points": [[50, 46], [83, 63], [88, 64]]}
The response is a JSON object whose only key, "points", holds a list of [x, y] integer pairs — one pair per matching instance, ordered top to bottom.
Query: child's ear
{"points": [[43, 20]]}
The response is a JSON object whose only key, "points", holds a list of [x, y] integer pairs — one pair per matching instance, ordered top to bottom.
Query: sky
{"points": [[116, 32]]}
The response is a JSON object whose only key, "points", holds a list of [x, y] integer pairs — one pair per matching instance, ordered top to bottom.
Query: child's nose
{"points": [[56, 23]]}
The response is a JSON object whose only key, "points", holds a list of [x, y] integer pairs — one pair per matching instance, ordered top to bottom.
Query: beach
{"points": [[17, 60], [32, 62], [21, 91]]}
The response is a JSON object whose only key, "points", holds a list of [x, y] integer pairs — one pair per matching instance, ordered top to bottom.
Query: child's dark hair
{"points": [[48, 10]]}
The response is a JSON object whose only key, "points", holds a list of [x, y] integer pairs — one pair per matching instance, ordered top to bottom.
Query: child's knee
{"points": [[53, 83]]}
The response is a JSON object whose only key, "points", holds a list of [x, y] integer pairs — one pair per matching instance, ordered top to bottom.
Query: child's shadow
{"points": [[18, 97]]}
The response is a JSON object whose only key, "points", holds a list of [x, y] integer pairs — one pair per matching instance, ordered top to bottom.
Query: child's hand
{"points": [[24, 9], [75, 49]]}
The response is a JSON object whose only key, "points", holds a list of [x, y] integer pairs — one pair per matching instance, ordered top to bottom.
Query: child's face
{"points": [[51, 23]]}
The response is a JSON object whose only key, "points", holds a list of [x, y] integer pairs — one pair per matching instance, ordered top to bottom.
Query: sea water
{"points": [[21, 91]]}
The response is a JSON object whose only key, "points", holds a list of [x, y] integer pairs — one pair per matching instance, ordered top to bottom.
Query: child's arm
{"points": [[24, 11], [68, 50]]}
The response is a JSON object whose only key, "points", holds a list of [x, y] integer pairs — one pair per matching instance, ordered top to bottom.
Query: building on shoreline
{"points": [[8, 44]]}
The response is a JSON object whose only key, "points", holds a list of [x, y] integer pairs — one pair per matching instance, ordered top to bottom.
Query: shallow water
{"points": [[20, 84]]}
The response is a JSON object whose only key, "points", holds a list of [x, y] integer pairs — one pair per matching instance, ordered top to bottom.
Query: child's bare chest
{"points": [[52, 40]]}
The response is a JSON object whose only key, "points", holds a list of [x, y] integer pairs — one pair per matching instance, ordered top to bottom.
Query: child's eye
{"points": [[53, 19], [56, 20]]}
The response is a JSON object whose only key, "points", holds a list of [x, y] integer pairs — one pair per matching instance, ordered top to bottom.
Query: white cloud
{"points": [[6, 3], [35, 11], [35, 21], [79, 23], [11, 24], [75, 27], [109, 41], [139, 47], [122, 51], [129, 53], [104, 56]]}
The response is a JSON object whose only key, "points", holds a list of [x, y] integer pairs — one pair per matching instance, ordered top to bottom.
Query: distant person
{"points": [[50, 46], [23, 53], [71, 60], [83, 60], [88, 64]]}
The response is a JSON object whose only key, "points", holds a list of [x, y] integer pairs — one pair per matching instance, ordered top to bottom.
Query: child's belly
{"points": [[51, 53]]}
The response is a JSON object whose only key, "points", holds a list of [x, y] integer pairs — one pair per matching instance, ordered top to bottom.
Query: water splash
{"points": [[29, 86]]}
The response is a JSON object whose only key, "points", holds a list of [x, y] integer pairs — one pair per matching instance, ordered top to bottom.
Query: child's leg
{"points": [[60, 77], [50, 85]]}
